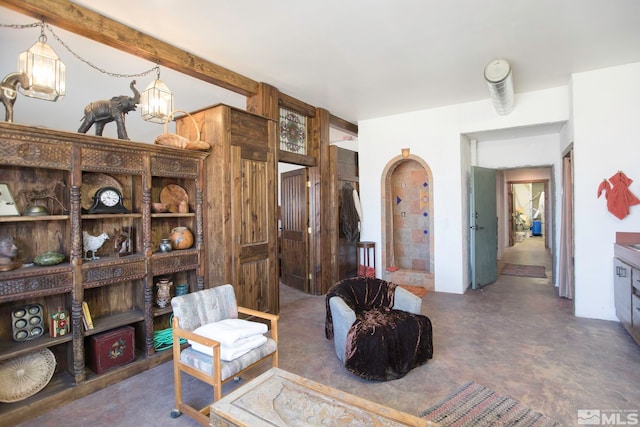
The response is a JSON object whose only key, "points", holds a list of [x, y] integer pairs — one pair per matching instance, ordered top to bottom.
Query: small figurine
{"points": [[9, 93], [109, 110], [122, 242], [92, 244], [8, 251]]}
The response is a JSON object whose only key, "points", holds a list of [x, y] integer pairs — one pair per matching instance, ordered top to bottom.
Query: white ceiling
{"points": [[359, 59]]}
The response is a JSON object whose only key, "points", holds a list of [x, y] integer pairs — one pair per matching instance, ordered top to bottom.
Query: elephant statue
{"points": [[9, 93], [110, 110]]}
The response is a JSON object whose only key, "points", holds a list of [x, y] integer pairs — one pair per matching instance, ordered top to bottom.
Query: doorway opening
{"points": [[527, 205]]}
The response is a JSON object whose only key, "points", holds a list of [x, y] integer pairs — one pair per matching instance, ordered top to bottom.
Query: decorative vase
{"points": [[181, 238], [165, 245], [182, 289], [163, 295]]}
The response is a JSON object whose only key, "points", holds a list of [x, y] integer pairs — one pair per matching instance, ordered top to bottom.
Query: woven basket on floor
{"points": [[178, 141], [24, 376]]}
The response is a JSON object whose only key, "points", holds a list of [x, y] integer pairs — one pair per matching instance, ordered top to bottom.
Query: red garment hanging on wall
{"points": [[619, 197]]}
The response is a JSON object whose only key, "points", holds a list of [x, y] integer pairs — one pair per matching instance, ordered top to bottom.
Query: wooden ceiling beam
{"points": [[87, 23], [343, 125]]}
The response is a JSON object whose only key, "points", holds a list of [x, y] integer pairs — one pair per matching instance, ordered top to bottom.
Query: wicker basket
{"points": [[178, 141], [24, 376]]}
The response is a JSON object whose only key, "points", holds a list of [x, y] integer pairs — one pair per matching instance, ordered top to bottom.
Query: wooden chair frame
{"points": [[202, 415]]}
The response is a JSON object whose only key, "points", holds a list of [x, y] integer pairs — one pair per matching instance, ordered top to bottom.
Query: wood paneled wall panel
{"points": [[247, 129], [239, 203], [254, 289]]}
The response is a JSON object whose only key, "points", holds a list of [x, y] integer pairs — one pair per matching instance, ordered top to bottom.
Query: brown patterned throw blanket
{"points": [[382, 344]]}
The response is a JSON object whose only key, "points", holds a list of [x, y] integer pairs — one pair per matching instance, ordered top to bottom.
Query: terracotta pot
{"points": [[181, 238]]}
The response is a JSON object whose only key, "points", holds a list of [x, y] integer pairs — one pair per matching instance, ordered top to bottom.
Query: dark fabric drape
{"points": [[349, 215], [565, 265], [361, 293], [382, 344], [385, 344]]}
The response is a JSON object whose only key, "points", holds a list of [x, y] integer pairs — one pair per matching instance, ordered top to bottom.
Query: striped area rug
{"points": [[477, 406]]}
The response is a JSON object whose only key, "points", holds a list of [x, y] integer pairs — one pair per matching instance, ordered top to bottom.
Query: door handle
{"points": [[477, 227], [621, 271]]}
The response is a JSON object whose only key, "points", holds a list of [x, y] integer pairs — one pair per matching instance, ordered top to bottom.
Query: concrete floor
{"points": [[514, 336]]}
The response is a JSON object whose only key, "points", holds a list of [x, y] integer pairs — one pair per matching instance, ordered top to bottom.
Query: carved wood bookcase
{"points": [[119, 287]]}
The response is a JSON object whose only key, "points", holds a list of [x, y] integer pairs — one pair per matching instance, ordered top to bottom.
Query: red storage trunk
{"points": [[111, 349]]}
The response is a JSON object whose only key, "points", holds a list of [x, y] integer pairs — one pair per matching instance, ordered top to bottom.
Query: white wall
{"points": [[606, 131], [435, 136]]}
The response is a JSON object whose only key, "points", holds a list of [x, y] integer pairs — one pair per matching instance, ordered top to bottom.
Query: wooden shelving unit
{"points": [[118, 288]]}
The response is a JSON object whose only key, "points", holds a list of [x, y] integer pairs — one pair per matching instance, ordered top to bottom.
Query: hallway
{"points": [[530, 251]]}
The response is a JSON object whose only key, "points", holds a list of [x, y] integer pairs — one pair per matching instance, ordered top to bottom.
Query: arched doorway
{"points": [[407, 221]]}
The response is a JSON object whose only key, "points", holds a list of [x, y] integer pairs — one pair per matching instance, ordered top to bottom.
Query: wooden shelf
{"points": [[173, 215], [109, 216], [34, 218], [104, 260], [177, 260], [35, 270], [160, 311], [112, 321], [11, 349], [61, 383]]}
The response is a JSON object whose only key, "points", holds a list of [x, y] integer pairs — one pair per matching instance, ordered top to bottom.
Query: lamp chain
{"points": [[42, 25]]}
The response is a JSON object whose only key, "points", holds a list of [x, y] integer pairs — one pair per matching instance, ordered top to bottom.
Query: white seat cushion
{"points": [[236, 337]]}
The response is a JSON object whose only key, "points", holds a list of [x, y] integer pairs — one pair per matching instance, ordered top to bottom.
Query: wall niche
{"points": [[407, 221]]}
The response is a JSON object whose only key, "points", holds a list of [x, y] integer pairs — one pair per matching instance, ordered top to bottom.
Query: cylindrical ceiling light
{"points": [[46, 72], [498, 76], [156, 102]]}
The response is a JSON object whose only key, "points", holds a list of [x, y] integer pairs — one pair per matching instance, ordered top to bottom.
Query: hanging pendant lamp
{"points": [[47, 73], [156, 101]]}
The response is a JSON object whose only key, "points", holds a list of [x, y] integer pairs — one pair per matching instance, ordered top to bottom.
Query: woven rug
{"points": [[523, 270], [416, 290], [478, 406]]}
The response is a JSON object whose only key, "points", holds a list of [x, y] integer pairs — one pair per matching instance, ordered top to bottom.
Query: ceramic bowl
{"points": [[49, 258]]}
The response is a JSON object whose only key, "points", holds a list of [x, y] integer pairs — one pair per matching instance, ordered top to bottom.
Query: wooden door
{"points": [[294, 209], [253, 245]]}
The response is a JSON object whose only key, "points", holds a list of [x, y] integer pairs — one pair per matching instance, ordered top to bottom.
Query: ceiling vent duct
{"points": [[498, 76]]}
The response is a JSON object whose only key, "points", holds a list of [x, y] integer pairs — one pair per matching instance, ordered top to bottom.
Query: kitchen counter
{"points": [[627, 247], [626, 281]]}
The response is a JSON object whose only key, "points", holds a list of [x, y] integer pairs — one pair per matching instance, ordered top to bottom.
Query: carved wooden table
{"points": [[280, 398]]}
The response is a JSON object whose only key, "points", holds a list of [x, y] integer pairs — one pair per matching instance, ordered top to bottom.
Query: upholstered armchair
{"points": [[356, 307], [213, 312]]}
